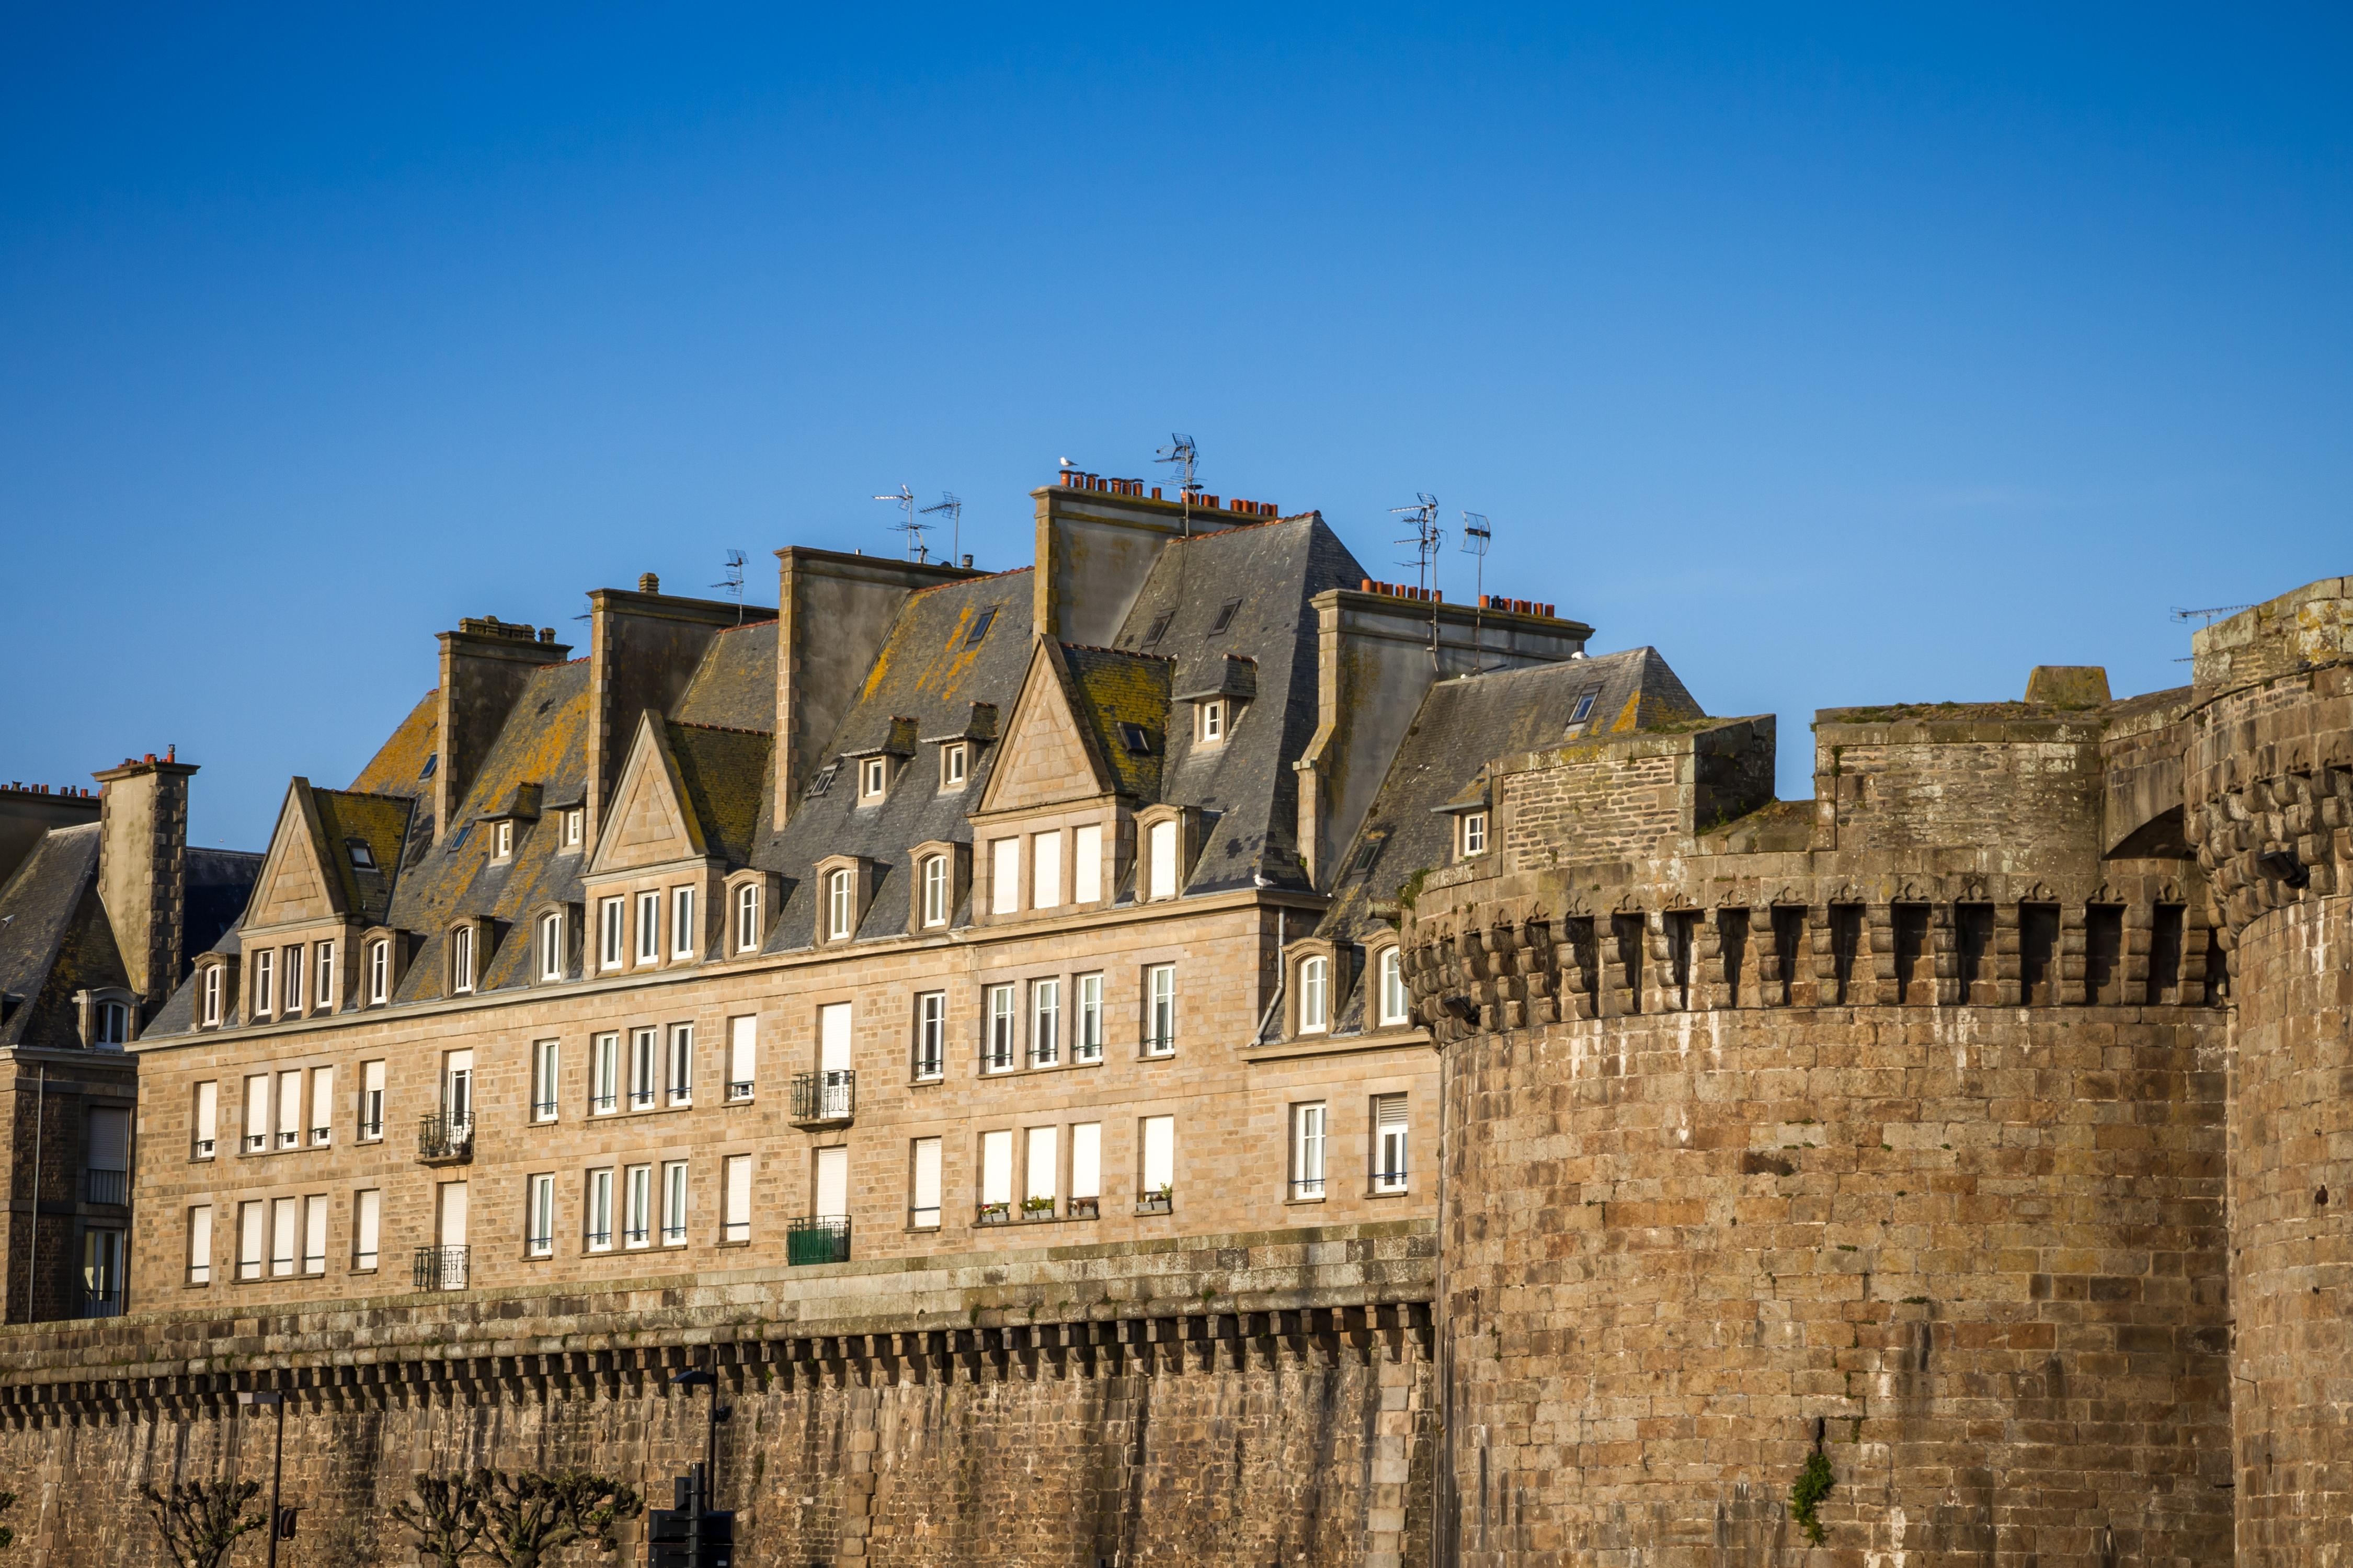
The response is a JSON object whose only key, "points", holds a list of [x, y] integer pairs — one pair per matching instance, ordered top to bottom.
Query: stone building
{"points": [[101, 900]]}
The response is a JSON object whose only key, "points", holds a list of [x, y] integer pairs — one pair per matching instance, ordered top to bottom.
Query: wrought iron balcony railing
{"points": [[821, 1098], [444, 1140], [817, 1238], [441, 1268]]}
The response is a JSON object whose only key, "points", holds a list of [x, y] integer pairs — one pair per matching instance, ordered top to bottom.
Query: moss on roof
{"points": [[1112, 688], [398, 765], [722, 774], [379, 821]]}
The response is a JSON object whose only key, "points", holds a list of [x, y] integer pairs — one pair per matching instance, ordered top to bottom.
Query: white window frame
{"points": [[1210, 729], [955, 759], [873, 778], [576, 821], [1474, 833], [503, 837], [1164, 850], [1086, 863], [1046, 869], [1005, 875], [935, 889], [840, 904], [649, 907], [747, 918], [682, 942], [612, 944], [550, 945], [461, 961], [379, 972], [294, 975], [265, 979], [213, 993], [322, 993], [1314, 994], [1391, 997], [1160, 1010], [1046, 1021], [1087, 1024], [931, 1036], [1000, 1045], [743, 1056], [546, 1064], [645, 1068], [678, 1069], [605, 1073], [372, 1080], [322, 1107], [289, 1109], [1311, 1126], [256, 1137], [206, 1142], [1391, 1143], [923, 1171], [675, 1191], [735, 1198], [637, 1206], [599, 1207], [539, 1215], [367, 1229], [314, 1235], [252, 1239], [285, 1243], [200, 1244]]}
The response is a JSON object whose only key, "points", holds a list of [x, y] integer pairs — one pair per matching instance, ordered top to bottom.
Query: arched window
{"points": [[1161, 844], [936, 890], [841, 905], [747, 917], [550, 945], [462, 959], [379, 972], [214, 987], [1314, 995], [1393, 1000], [114, 1023]]}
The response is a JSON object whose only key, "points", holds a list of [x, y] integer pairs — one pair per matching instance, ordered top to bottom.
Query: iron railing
{"points": [[1160, 1045], [739, 1089], [823, 1097], [445, 1140], [1389, 1181], [106, 1186], [1307, 1187], [927, 1218], [817, 1238], [441, 1268]]}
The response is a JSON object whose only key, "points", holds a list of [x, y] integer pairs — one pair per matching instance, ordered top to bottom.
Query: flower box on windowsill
{"points": [[1162, 1202], [1085, 1208], [1036, 1209], [994, 1214]]}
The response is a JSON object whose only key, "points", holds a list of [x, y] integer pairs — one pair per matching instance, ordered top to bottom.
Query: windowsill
{"points": [[929, 1080], [1390, 1193], [1288, 1203], [745, 1242], [530, 1256], [355, 1268], [195, 1284]]}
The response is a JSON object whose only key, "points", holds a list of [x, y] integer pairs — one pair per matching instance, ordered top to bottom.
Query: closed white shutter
{"points": [[1163, 860], [1086, 865], [1046, 871], [1005, 876], [833, 1037], [743, 1038], [322, 1103], [289, 1108], [256, 1111], [207, 1117], [1159, 1135], [109, 1140], [1086, 1159], [1042, 1162], [997, 1167], [832, 1184], [926, 1195], [453, 1214], [738, 1217], [282, 1220], [250, 1223], [367, 1223], [314, 1235], [200, 1243]]}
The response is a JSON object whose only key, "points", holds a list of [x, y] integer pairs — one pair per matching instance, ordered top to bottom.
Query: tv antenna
{"points": [[1182, 452], [905, 499], [949, 504], [1477, 535], [1427, 537], [733, 581], [2209, 615]]}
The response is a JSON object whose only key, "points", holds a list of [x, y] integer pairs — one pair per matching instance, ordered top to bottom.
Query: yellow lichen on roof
{"points": [[1114, 689], [395, 767], [722, 772], [378, 821]]}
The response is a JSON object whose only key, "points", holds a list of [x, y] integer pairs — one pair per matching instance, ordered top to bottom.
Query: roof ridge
{"points": [[1312, 516], [965, 582], [1122, 652], [723, 729]]}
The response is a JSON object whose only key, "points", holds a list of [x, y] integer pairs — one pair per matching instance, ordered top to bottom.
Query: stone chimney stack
{"points": [[485, 664], [143, 860]]}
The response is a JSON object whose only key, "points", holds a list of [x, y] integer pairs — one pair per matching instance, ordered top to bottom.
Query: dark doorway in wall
{"points": [[1732, 937], [1846, 940], [1789, 945], [1973, 952], [2104, 954], [2165, 954], [2037, 955], [1914, 985]]}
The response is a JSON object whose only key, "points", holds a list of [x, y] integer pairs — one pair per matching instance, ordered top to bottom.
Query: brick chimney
{"points": [[485, 664], [143, 860]]}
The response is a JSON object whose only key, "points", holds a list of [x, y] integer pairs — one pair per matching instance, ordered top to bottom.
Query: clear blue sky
{"points": [[1844, 354]]}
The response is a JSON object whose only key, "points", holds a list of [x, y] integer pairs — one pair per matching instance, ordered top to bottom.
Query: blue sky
{"points": [[1845, 354]]}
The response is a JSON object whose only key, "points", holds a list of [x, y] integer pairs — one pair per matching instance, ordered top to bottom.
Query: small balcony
{"points": [[824, 1098], [444, 1140], [106, 1187], [816, 1240], [441, 1268]]}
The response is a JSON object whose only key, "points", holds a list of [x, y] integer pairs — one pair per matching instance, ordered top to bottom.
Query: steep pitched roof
{"points": [[735, 686], [1122, 698], [398, 765], [724, 774], [53, 939]]}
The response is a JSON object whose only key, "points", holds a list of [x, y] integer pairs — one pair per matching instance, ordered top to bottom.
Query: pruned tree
{"points": [[530, 1514], [445, 1519], [200, 1520], [8, 1532]]}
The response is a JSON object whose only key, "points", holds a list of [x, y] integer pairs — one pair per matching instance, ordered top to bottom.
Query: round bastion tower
{"points": [[1869, 1180]]}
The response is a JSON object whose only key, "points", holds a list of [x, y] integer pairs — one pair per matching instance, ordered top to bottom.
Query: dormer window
{"points": [[1209, 721], [1135, 738], [955, 759], [873, 778], [576, 826], [1474, 833], [502, 841], [362, 858], [936, 890], [841, 905], [747, 918], [550, 945], [461, 960], [379, 972], [216, 988], [1314, 995], [1392, 999], [111, 1026]]}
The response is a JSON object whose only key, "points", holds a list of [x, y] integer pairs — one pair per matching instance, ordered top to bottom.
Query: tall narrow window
{"points": [[1213, 721], [954, 760], [873, 778], [574, 826], [503, 836], [1161, 846], [1086, 864], [1046, 871], [1004, 876], [936, 890], [841, 905], [609, 915], [747, 918], [648, 927], [682, 936], [550, 945], [462, 959], [293, 969], [265, 972], [379, 974], [211, 993], [1314, 995], [323, 996], [1393, 1001], [1160, 1010], [1045, 1023], [930, 1034], [1086, 1039], [742, 1055], [999, 1057], [543, 1063], [682, 1064], [641, 1068], [604, 1075], [457, 1089], [371, 1101], [322, 1107], [289, 1110], [257, 1113], [208, 1120], [1307, 1128], [1390, 1143], [1156, 1147], [1086, 1168], [996, 1177], [923, 1185], [1039, 1185], [673, 1204], [600, 1211], [285, 1215], [736, 1215], [539, 1216], [252, 1222], [368, 1225], [636, 1228], [314, 1233], [200, 1245]]}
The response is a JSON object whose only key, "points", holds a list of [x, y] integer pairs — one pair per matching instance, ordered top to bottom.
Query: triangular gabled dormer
{"points": [[1049, 753], [652, 820], [298, 883]]}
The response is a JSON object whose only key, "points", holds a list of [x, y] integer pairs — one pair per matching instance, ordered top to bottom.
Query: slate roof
{"points": [[736, 686], [1461, 726], [398, 765], [724, 776], [380, 822], [53, 939]]}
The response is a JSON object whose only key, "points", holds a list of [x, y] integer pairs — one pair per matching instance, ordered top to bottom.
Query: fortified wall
{"points": [[1974, 1125]]}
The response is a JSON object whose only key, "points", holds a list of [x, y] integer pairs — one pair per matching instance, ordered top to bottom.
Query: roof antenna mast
{"points": [[1181, 451], [904, 497], [955, 508], [1477, 535], [1427, 537], [733, 581]]}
